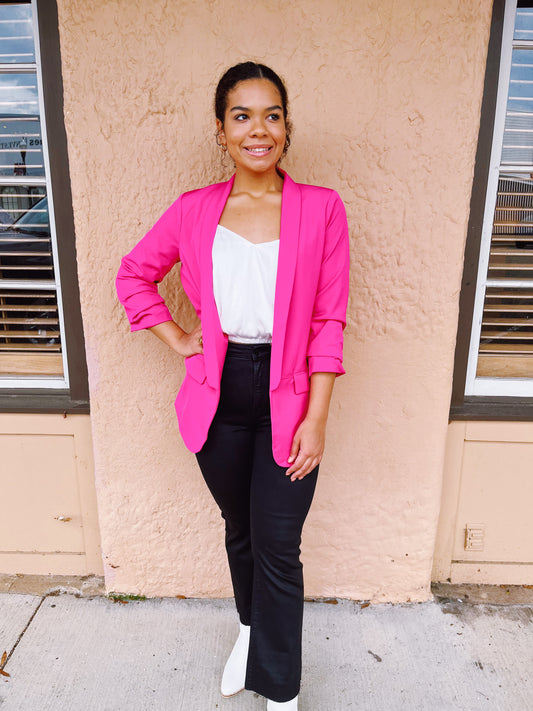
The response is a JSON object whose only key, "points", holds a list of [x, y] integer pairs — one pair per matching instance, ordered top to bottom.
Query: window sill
{"points": [[42, 401], [494, 408]]}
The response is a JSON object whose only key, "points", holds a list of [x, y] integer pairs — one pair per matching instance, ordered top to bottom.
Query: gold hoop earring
{"points": [[220, 145]]}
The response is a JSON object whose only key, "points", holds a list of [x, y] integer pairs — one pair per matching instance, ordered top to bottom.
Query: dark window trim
{"points": [[76, 398], [41, 401], [481, 408], [495, 408]]}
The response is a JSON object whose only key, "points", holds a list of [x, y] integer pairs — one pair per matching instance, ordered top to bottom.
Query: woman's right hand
{"points": [[191, 343], [185, 344]]}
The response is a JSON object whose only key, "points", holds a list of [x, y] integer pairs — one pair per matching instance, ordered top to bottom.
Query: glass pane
{"points": [[524, 24], [16, 34], [518, 135], [21, 145], [25, 242], [511, 249], [30, 341], [506, 345]]}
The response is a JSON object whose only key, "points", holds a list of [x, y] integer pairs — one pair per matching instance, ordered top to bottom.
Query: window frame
{"points": [[75, 397], [482, 407]]}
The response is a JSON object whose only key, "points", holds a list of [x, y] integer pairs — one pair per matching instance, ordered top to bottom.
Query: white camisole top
{"points": [[244, 282]]}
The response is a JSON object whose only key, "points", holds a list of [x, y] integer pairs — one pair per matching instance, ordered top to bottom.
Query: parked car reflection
{"points": [[25, 245], [27, 317]]}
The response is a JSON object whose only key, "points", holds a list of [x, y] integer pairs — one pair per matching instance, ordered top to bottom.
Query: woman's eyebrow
{"points": [[245, 108]]}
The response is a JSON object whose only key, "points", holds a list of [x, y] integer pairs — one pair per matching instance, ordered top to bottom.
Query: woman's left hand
{"points": [[307, 448]]}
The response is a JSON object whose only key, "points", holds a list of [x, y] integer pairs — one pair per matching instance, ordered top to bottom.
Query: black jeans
{"points": [[264, 514]]}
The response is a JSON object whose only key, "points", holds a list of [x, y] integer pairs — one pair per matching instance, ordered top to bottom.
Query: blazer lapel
{"points": [[288, 251], [215, 343]]}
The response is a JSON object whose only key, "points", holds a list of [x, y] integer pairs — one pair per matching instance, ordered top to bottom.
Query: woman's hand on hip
{"points": [[191, 343], [185, 344], [307, 448]]}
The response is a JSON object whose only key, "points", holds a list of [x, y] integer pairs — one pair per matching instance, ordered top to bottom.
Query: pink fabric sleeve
{"points": [[145, 266], [324, 351]]}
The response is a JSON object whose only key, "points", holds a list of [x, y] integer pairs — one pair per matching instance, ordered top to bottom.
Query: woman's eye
{"points": [[241, 117], [274, 117]]}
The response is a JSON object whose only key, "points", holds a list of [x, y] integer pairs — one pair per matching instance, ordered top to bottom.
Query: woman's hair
{"points": [[242, 72]]}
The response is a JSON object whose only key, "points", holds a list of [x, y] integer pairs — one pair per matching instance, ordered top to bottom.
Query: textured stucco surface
{"points": [[385, 100]]}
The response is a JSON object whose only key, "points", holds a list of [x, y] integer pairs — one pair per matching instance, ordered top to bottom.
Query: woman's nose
{"points": [[258, 128]]}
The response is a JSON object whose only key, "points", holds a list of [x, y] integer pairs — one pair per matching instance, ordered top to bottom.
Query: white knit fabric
{"points": [[244, 282]]}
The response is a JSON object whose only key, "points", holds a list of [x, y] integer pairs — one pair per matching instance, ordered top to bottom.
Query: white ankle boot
{"points": [[234, 674], [291, 705]]}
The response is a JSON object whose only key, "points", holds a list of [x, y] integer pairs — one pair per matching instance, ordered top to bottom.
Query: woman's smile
{"points": [[258, 150]]}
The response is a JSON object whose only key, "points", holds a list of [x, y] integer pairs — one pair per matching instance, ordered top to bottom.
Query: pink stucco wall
{"points": [[385, 103]]}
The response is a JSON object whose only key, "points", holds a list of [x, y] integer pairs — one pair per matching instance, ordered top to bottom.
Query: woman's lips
{"points": [[258, 150]]}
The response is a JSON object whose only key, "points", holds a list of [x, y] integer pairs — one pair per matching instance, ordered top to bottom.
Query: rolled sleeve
{"points": [[145, 266], [324, 351], [325, 364]]}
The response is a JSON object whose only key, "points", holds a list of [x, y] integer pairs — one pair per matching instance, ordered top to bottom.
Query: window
{"points": [[494, 354], [42, 364]]}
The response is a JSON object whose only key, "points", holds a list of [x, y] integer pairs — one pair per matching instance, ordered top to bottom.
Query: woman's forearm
{"points": [[183, 343], [320, 390]]}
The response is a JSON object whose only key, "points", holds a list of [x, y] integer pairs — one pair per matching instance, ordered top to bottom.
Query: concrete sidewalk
{"points": [[92, 654]]}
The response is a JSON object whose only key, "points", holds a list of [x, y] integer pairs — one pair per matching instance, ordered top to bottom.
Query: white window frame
{"points": [[42, 381], [486, 386]]}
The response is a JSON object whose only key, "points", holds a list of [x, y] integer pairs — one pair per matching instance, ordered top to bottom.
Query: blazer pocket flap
{"points": [[195, 367], [301, 382]]}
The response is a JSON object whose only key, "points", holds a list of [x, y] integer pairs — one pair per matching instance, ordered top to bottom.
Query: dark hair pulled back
{"points": [[243, 72]]}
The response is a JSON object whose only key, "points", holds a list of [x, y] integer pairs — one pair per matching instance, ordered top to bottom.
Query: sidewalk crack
{"points": [[21, 635]]}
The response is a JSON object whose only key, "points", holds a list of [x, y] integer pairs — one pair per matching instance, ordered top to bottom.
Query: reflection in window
{"points": [[16, 34], [30, 310], [506, 343]]}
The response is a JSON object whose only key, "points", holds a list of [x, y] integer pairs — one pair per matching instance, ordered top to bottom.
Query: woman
{"points": [[264, 262]]}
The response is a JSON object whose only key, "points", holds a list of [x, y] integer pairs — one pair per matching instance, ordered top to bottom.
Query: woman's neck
{"points": [[257, 184]]}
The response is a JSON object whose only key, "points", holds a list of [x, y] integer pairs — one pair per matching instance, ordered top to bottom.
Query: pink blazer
{"points": [[309, 307]]}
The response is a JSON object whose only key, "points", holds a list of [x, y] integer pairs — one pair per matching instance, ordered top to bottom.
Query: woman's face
{"points": [[254, 126]]}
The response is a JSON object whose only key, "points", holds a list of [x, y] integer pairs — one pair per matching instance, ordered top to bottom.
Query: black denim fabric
{"points": [[264, 513]]}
